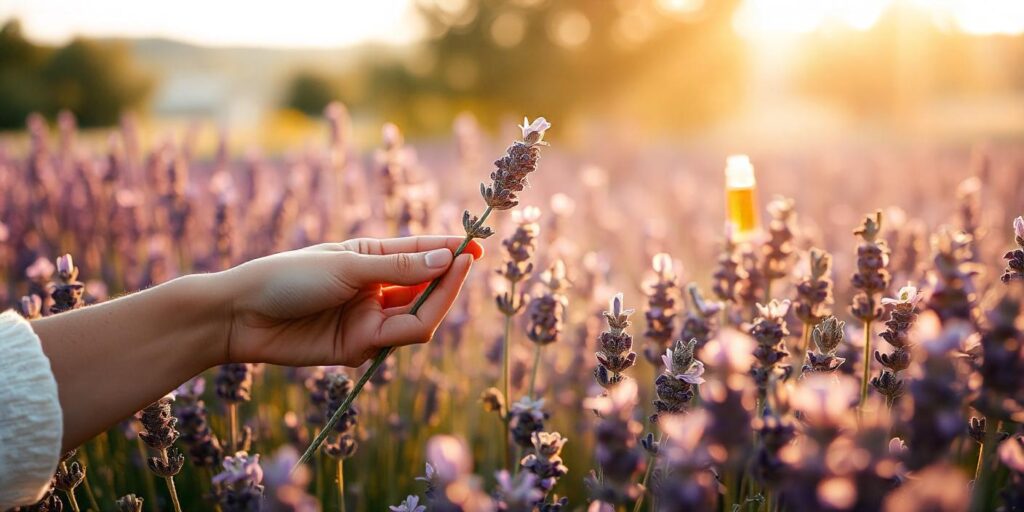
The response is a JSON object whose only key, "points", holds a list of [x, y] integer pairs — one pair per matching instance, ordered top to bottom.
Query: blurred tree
{"points": [[904, 62], [676, 64], [96, 81], [21, 89], [309, 92]]}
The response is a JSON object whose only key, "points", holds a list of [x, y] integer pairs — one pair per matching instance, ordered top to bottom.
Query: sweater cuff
{"points": [[31, 422]]}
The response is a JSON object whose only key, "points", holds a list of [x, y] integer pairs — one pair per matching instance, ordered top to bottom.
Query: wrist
{"points": [[208, 299]]}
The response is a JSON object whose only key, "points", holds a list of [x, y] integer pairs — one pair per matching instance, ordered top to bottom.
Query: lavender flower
{"points": [[513, 168], [520, 247], [778, 250], [1015, 258], [728, 274], [871, 277], [751, 289], [67, 291], [814, 293], [953, 294], [661, 306], [31, 307], [545, 314], [901, 319], [699, 322], [769, 330], [827, 336], [615, 354], [1002, 367], [234, 382], [675, 387], [729, 398], [526, 417], [937, 418], [160, 432], [774, 432], [344, 445], [204, 448], [546, 462], [688, 482], [238, 487], [452, 487], [285, 490], [520, 492], [129, 503], [411, 503]]}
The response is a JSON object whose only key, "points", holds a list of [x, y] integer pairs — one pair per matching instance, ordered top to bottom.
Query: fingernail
{"points": [[438, 258]]}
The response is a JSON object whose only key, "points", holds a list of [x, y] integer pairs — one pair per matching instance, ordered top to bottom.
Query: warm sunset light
{"points": [[760, 17], [314, 24]]}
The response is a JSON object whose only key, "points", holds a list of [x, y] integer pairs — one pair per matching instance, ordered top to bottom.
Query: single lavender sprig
{"points": [[508, 179], [520, 247], [778, 249], [871, 279], [67, 291], [814, 298], [661, 308], [545, 315], [901, 319], [615, 346], [160, 434]]}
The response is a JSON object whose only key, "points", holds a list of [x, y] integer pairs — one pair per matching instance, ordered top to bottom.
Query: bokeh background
{"points": [[758, 69]]}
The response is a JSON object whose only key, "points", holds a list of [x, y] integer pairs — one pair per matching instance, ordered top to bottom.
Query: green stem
{"points": [[805, 347], [379, 359], [867, 366], [506, 372], [533, 375], [233, 428], [979, 465], [647, 476], [983, 482], [341, 484], [170, 485], [70, 492], [89, 494]]}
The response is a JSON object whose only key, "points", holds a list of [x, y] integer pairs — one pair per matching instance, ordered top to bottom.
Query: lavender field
{"points": [[843, 333]]}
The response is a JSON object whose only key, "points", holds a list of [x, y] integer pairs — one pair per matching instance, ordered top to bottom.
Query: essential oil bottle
{"points": [[741, 196]]}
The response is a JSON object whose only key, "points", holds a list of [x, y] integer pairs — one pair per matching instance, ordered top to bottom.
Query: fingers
{"points": [[373, 246], [403, 269], [394, 296], [405, 329]]}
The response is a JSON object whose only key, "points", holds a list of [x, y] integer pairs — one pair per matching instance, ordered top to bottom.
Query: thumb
{"points": [[403, 269]]}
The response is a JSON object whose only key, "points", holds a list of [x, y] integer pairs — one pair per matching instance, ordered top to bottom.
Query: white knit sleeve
{"points": [[31, 423]]}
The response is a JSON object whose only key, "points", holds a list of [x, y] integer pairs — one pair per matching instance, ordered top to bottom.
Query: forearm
{"points": [[115, 358]]}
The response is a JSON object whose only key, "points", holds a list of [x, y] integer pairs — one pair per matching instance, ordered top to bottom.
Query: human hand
{"points": [[341, 303]]}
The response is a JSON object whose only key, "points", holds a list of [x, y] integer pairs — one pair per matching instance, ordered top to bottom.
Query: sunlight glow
{"points": [[790, 17], [295, 23], [325, 23]]}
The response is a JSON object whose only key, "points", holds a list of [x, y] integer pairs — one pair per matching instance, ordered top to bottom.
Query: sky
{"points": [[274, 23], [334, 23]]}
